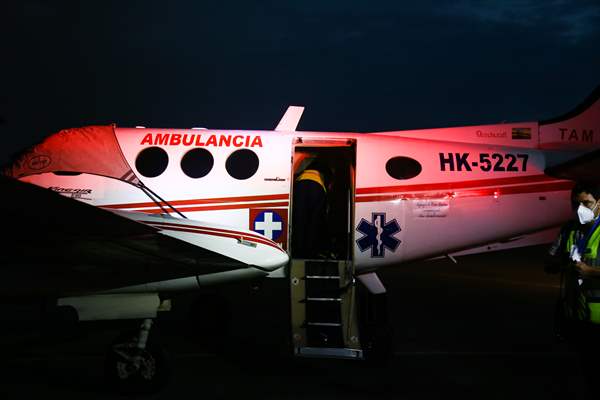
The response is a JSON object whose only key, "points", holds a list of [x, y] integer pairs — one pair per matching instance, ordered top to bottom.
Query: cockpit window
{"points": [[151, 162], [197, 163], [242, 164], [402, 167]]}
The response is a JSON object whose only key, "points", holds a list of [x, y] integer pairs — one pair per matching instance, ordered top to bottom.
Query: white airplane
{"points": [[163, 210]]}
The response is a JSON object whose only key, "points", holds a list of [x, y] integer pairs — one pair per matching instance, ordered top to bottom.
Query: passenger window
{"points": [[151, 162], [197, 163], [242, 164], [403, 167]]}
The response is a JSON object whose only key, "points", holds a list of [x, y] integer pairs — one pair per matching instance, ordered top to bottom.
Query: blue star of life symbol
{"points": [[269, 224], [378, 235]]}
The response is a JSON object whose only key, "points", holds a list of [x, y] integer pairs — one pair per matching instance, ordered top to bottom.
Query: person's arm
{"points": [[556, 258]]}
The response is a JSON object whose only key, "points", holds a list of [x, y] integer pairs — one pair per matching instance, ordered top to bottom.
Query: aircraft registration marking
{"points": [[486, 162]]}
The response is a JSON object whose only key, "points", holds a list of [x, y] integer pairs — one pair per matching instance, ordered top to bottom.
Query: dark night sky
{"points": [[355, 65]]}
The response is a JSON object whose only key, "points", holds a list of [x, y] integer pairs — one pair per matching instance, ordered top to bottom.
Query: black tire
{"points": [[122, 376]]}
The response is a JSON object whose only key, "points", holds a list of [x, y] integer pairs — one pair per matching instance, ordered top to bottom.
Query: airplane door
{"points": [[325, 232], [323, 302]]}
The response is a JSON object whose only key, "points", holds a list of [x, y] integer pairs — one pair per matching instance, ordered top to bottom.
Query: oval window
{"points": [[152, 162], [197, 163], [242, 164], [402, 167]]}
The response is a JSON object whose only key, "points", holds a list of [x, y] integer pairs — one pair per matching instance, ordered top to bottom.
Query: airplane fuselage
{"points": [[411, 198]]}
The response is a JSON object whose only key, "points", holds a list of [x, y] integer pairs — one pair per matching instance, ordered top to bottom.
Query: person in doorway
{"points": [[310, 236]]}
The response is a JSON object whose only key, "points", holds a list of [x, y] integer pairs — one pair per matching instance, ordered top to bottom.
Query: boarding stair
{"points": [[324, 309]]}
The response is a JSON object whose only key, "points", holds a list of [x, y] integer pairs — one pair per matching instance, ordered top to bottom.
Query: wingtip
{"points": [[291, 118]]}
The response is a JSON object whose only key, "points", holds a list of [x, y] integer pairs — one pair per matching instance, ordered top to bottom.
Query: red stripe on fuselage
{"points": [[480, 187], [499, 190], [202, 201], [213, 208]]}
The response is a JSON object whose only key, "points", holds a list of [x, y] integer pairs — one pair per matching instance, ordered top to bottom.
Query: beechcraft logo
{"points": [[378, 235]]}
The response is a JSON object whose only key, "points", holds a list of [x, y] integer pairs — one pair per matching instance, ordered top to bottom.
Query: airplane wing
{"points": [[543, 237], [57, 246]]}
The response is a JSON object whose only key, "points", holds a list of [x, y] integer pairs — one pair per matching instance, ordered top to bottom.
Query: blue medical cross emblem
{"points": [[269, 224], [378, 235]]}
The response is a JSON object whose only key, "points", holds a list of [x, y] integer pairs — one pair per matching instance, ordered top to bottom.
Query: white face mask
{"points": [[585, 214]]}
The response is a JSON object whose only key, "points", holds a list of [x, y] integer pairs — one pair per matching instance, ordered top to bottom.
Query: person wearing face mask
{"points": [[585, 252], [575, 253], [580, 283]]}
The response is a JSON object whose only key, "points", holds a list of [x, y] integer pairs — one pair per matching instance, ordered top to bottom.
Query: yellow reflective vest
{"points": [[312, 175], [589, 296]]}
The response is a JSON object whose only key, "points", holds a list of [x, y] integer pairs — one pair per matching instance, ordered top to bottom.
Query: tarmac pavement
{"points": [[481, 328]]}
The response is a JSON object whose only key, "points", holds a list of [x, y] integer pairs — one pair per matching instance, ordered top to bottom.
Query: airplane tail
{"points": [[579, 129], [576, 135]]}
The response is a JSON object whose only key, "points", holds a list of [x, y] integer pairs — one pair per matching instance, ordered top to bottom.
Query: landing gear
{"points": [[376, 329], [135, 363]]}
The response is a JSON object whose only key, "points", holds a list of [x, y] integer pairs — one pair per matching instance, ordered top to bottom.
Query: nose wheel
{"points": [[135, 363]]}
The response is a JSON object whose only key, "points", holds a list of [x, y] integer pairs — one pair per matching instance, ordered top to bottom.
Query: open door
{"points": [[329, 236], [323, 306]]}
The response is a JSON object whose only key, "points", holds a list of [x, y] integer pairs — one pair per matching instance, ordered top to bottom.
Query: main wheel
{"points": [[132, 370]]}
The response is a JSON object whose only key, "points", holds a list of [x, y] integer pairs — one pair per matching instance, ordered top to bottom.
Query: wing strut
{"points": [[161, 201]]}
